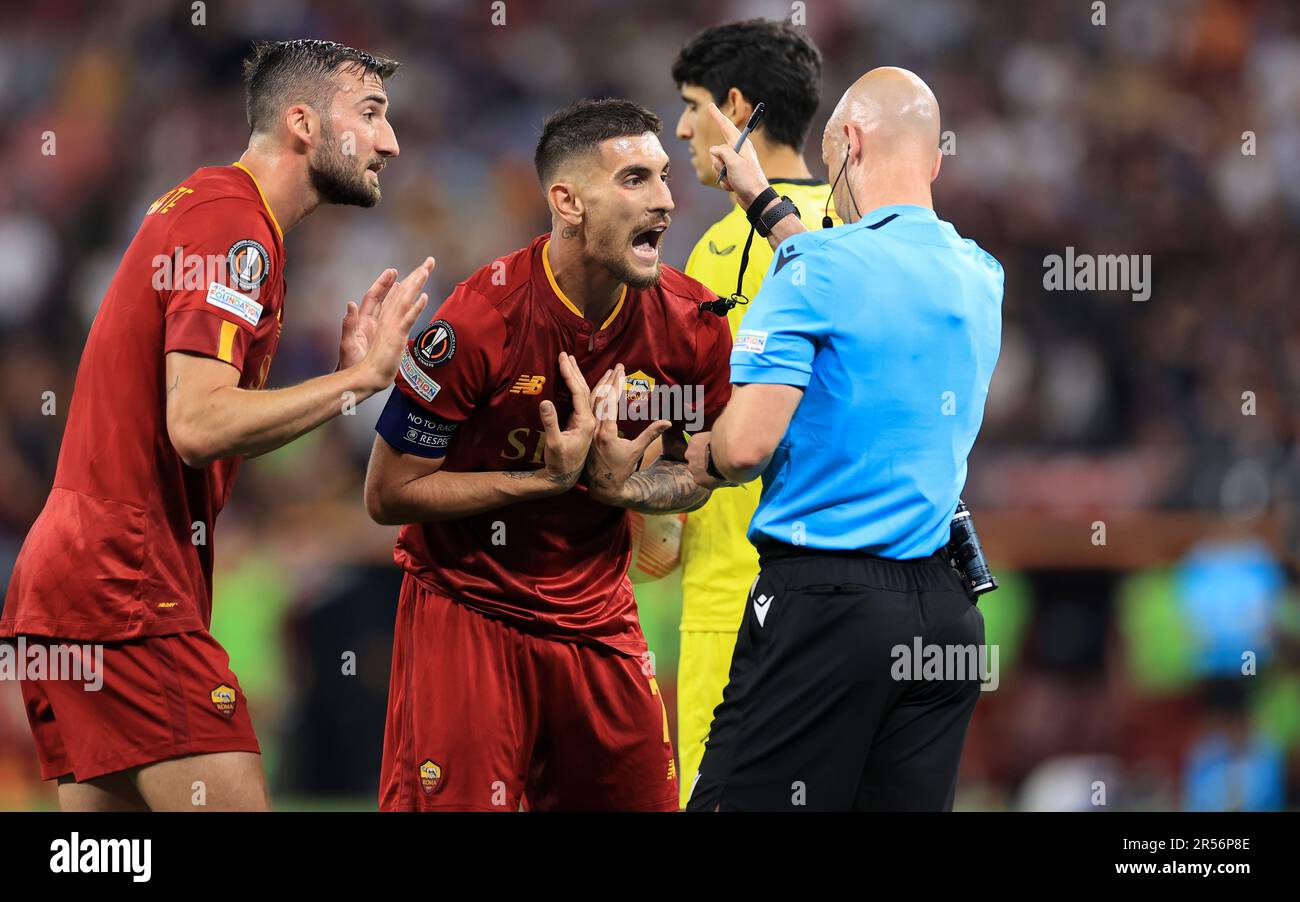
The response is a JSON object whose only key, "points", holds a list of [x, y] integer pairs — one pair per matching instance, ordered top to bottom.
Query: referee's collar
{"points": [[875, 217]]}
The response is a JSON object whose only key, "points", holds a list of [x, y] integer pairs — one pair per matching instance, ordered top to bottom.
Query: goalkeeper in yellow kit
{"points": [[735, 66]]}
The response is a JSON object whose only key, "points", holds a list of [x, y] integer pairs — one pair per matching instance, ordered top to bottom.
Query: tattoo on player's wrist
{"points": [[568, 478], [664, 487]]}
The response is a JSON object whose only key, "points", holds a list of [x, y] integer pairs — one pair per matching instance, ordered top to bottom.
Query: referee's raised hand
{"points": [[745, 176]]}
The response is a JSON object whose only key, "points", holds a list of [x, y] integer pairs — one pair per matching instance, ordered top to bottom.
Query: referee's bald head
{"points": [[886, 130]]}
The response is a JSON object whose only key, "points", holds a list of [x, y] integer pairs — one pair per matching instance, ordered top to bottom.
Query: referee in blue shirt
{"points": [[860, 376]]}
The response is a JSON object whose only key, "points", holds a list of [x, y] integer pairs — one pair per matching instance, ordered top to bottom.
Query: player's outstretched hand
{"points": [[745, 176], [394, 314], [360, 322], [566, 452], [612, 459]]}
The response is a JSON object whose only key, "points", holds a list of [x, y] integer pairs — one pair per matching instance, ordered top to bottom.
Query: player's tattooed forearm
{"points": [[175, 383], [558, 478], [568, 478], [664, 487]]}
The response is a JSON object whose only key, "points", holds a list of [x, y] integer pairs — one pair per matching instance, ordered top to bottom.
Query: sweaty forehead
{"points": [[356, 82], [632, 150]]}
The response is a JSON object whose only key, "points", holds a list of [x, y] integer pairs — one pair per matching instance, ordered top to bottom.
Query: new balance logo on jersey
{"points": [[528, 385], [761, 605]]}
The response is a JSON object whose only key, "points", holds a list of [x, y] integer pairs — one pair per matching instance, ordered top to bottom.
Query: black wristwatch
{"points": [[763, 222], [710, 467]]}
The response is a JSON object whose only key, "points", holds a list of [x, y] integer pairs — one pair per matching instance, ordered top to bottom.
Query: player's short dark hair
{"points": [[767, 61], [278, 73], [581, 126]]}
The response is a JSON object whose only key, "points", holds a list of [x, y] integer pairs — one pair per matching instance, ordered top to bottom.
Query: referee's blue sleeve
{"points": [[788, 320]]}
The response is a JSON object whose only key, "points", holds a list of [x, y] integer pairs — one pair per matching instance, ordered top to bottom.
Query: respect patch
{"points": [[411, 430]]}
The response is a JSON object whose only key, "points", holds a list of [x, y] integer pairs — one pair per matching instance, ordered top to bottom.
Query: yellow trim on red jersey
{"points": [[279, 231], [550, 277], [617, 307], [226, 345]]}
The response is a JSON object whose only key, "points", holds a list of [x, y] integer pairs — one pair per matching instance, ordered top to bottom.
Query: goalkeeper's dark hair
{"points": [[767, 61], [280, 73], [581, 126]]}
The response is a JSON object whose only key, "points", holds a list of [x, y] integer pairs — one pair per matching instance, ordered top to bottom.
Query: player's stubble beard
{"points": [[334, 175], [609, 245]]}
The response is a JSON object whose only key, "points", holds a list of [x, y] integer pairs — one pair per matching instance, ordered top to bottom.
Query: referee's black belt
{"points": [[770, 549], [932, 572]]}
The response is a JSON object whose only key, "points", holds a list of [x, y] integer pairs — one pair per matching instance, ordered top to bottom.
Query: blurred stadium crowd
{"points": [[1120, 660]]}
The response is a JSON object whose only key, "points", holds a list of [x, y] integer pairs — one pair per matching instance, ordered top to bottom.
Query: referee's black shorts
{"points": [[821, 711]]}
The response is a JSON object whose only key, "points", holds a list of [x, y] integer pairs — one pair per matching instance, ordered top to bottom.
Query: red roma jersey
{"points": [[470, 387], [123, 547]]}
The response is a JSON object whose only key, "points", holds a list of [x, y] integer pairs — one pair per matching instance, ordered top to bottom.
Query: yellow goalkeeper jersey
{"points": [[718, 563]]}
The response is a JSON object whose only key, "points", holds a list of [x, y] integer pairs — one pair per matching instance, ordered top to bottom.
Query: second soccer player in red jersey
{"points": [[167, 402], [511, 448]]}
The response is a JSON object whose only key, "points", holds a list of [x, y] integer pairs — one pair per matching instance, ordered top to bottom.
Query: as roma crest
{"points": [[638, 385], [223, 699], [430, 776]]}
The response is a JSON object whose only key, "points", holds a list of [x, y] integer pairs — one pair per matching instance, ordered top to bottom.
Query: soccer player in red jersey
{"points": [[168, 400], [520, 672]]}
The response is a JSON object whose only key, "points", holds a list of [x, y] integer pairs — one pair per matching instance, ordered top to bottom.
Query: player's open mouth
{"points": [[646, 244]]}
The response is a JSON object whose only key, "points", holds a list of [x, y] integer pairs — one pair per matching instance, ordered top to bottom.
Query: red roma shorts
{"points": [[159, 697], [483, 716]]}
